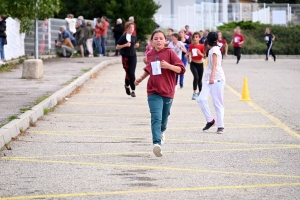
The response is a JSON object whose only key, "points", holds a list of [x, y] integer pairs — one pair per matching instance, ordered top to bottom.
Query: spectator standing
{"points": [[131, 20], [71, 21], [104, 25], [98, 31], [63, 32], [118, 32], [80, 36], [44, 37], [2, 38], [89, 40], [237, 41], [66, 46]]}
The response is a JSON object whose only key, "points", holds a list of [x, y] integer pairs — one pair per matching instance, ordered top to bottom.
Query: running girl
{"points": [[269, 38], [237, 41], [128, 43], [222, 43], [178, 47], [196, 52], [163, 65], [214, 82]]}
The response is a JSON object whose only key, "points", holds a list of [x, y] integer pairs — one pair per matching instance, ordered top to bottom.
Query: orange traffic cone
{"points": [[245, 92]]}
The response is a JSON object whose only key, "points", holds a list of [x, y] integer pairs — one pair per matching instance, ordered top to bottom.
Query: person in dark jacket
{"points": [[118, 32], [80, 36], [2, 38]]}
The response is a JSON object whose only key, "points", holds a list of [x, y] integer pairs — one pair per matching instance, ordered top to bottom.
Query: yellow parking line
{"points": [[268, 115], [149, 129], [133, 137], [135, 153], [157, 168], [156, 190]]}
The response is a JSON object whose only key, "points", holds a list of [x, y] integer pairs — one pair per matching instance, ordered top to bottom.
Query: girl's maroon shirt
{"points": [[163, 84]]}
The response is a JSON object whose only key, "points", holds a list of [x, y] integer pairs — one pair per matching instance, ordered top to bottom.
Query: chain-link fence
{"points": [[206, 15], [48, 33]]}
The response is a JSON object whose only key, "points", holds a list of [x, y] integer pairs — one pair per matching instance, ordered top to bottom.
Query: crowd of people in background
{"points": [[88, 39]]}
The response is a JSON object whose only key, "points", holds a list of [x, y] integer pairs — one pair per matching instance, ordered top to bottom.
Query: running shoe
{"points": [[275, 59], [181, 86], [127, 90], [133, 94], [194, 96], [209, 125], [220, 130], [162, 138], [157, 150]]}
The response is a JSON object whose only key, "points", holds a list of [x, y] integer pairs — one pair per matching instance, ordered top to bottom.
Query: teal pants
{"points": [[160, 110]]}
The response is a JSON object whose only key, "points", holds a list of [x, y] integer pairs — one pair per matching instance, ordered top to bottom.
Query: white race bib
{"points": [[128, 37], [267, 38], [236, 39], [220, 45], [194, 52], [156, 68]]}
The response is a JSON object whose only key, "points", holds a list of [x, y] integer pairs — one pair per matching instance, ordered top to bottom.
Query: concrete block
{"points": [[33, 69], [38, 110], [33, 116], [12, 130], [4, 133], [2, 142]]}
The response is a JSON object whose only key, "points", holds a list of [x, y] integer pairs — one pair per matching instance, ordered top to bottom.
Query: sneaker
{"points": [[266, 59], [275, 59], [237, 62], [181, 86], [127, 90], [133, 94], [194, 96], [209, 125], [220, 130], [162, 137], [157, 150]]}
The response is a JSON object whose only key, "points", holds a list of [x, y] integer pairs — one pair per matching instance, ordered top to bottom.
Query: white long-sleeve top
{"points": [[71, 24]]}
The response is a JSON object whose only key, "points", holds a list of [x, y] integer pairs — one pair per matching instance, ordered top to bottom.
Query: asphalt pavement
{"points": [[97, 145]]}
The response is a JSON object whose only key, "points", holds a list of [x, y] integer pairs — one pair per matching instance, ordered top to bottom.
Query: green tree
{"points": [[26, 10], [142, 10]]}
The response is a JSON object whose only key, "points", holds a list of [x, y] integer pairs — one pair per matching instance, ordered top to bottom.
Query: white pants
{"points": [[89, 44], [217, 92]]}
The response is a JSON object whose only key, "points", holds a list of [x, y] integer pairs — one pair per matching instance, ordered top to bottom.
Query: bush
{"points": [[286, 43]]}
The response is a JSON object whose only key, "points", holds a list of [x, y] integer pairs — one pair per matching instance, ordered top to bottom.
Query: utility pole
{"points": [[36, 42]]}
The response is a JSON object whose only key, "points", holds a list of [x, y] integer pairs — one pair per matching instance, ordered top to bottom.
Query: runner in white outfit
{"points": [[214, 83]]}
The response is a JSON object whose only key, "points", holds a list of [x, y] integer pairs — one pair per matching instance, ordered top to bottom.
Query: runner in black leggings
{"points": [[269, 38], [237, 41], [128, 43], [196, 51]]}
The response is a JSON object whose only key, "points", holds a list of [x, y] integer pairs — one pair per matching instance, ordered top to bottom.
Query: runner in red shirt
{"points": [[237, 41], [222, 43], [196, 52]]}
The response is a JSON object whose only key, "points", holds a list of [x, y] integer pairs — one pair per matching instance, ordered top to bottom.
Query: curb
{"points": [[13, 128]]}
